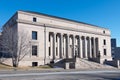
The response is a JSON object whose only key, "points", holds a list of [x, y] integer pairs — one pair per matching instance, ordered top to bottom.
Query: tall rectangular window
{"points": [[34, 19], [34, 35], [104, 41], [34, 50], [56, 51], [49, 52], [105, 52]]}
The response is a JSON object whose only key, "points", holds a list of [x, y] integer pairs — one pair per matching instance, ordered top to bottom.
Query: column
{"points": [[47, 45], [51, 45], [54, 45], [58, 45], [65, 45], [73, 45], [61, 46], [70, 46], [77, 46], [65, 48], [81, 48], [94, 48], [79, 54], [90, 54], [86, 56]]}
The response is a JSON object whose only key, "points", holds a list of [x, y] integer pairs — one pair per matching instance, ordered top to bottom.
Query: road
{"points": [[62, 75]]}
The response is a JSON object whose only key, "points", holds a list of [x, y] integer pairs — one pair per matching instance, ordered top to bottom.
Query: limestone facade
{"points": [[56, 38]]}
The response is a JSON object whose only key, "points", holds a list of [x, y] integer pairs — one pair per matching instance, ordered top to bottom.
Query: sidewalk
{"points": [[35, 70]]}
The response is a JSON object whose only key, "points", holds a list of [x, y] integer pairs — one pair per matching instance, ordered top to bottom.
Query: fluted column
{"points": [[73, 43], [47, 45], [54, 45], [78, 45], [58, 46], [61, 46], [71, 46], [64, 47], [81, 48], [94, 48], [79, 54], [90, 54]]}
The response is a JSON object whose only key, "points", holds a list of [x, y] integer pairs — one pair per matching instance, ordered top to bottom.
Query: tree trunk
{"points": [[15, 63]]}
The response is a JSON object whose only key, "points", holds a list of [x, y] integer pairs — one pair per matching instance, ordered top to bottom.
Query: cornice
{"points": [[31, 13], [58, 27]]}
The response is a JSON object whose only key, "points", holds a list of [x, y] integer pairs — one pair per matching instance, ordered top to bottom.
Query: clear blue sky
{"points": [[104, 13]]}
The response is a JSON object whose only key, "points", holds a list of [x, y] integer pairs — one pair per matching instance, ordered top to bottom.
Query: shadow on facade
{"points": [[5, 55]]}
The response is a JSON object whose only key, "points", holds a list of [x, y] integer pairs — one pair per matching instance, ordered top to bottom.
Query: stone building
{"points": [[56, 38], [113, 47], [115, 50], [117, 53]]}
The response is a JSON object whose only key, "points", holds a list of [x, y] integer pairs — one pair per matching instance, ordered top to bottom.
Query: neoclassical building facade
{"points": [[56, 38]]}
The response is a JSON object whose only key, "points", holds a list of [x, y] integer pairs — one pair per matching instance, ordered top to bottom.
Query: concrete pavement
{"points": [[61, 75]]}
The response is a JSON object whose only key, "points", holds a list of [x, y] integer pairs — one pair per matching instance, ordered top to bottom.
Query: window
{"points": [[34, 19], [104, 32], [34, 35], [104, 41], [34, 50], [56, 51], [105, 53], [34, 64]]}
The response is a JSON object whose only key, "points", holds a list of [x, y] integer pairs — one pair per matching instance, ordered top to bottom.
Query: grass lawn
{"points": [[4, 66], [7, 67]]}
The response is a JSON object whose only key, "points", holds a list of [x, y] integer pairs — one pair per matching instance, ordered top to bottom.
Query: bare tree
{"points": [[16, 43]]}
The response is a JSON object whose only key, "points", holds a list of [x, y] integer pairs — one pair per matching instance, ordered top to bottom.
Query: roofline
{"points": [[38, 13], [10, 19]]}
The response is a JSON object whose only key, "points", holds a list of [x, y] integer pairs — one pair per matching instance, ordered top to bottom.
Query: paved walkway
{"points": [[12, 71], [57, 74]]}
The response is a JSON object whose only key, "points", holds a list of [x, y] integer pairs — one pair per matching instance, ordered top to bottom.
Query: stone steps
{"points": [[85, 64]]}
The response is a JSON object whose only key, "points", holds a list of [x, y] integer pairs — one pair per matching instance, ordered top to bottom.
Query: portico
{"points": [[64, 45]]}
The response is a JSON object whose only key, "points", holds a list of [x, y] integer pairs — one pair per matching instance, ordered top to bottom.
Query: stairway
{"points": [[85, 64]]}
